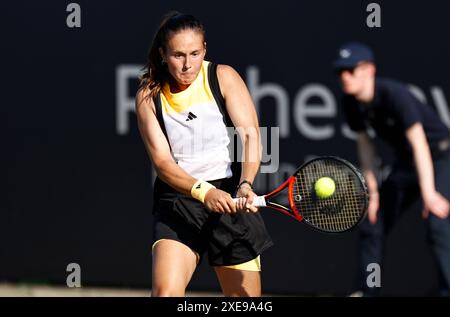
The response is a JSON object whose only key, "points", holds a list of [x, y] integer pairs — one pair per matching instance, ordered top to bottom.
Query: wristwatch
{"points": [[245, 182]]}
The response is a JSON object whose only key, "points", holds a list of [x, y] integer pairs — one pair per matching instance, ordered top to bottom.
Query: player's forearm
{"points": [[251, 156], [166, 168], [249, 171], [169, 172]]}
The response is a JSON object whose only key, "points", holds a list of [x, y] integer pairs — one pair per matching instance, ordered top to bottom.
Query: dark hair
{"points": [[155, 73]]}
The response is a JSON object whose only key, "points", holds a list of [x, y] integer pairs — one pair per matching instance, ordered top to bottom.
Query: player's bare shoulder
{"points": [[223, 69], [226, 72], [228, 78], [144, 104]]}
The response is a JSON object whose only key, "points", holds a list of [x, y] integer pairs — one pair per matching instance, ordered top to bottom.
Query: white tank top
{"points": [[196, 130]]}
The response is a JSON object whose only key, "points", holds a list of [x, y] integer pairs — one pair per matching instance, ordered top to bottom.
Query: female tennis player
{"points": [[184, 106]]}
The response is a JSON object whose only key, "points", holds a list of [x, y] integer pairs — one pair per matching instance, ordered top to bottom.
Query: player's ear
{"points": [[204, 46]]}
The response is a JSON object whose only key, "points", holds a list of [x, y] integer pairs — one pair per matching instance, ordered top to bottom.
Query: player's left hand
{"points": [[245, 195], [437, 204]]}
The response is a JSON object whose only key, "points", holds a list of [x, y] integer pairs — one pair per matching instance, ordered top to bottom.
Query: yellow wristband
{"points": [[199, 190]]}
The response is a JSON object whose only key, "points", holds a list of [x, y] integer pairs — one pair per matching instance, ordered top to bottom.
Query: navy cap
{"points": [[351, 54]]}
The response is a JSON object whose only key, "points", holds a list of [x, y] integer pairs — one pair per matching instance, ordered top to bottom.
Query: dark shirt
{"points": [[392, 111]]}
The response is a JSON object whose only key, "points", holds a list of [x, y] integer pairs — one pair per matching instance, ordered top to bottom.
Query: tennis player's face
{"points": [[185, 51], [353, 80]]}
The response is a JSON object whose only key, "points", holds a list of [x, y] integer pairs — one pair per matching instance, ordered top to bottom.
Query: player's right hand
{"points": [[246, 196], [219, 201]]}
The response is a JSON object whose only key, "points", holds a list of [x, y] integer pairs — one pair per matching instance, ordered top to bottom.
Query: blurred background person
{"points": [[421, 146]]}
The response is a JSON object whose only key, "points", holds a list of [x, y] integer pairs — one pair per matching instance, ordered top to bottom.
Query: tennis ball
{"points": [[324, 187]]}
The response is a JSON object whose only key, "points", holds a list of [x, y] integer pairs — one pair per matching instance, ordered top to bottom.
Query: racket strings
{"points": [[339, 212]]}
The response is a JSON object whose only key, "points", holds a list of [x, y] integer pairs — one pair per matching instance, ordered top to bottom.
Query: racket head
{"points": [[340, 212]]}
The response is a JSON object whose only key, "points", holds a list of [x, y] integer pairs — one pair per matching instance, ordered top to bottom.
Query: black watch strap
{"points": [[245, 182]]}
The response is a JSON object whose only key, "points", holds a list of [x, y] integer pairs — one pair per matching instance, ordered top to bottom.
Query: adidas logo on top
{"points": [[191, 116]]}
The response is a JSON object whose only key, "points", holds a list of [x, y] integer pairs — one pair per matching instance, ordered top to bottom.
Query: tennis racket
{"points": [[340, 212]]}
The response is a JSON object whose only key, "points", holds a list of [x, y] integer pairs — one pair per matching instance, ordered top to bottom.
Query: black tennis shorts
{"points": [[228, 239]]}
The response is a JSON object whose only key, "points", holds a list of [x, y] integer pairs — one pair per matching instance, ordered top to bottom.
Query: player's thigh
{"points": [[173, 266], [236, 282]]}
